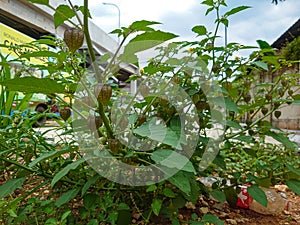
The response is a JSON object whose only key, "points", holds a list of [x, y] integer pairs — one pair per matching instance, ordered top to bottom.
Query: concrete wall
{"points": [[290, 114]]}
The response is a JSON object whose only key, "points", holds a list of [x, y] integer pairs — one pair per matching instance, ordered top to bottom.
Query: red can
{"points": [[244, 199]]}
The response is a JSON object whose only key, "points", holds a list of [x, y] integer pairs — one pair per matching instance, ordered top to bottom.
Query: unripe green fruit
{"points": [[73, 38], [216, 68], [175, 80], [284, 83], [144, 90], [281, 92], [103, 93], [269, 97], [196, 98], [247, 98], [163, 101], [276, 105], [200, 106], [264, 111], [65, 113], [277, 114], [141, 119], [94, 122], [248, 122], [123, 123], [251, 132], [114, 145]]}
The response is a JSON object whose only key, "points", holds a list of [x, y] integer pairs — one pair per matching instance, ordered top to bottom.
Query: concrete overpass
{"points": [[37, 20]]}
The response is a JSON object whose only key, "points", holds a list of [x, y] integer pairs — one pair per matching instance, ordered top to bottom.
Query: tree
{"points": [[276, 1]]}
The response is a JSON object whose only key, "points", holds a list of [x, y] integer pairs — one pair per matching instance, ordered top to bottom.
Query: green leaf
{"points": [[42, 2], [208, 2], [209, 10], [236, 10], [62, 13], [224, 21], [142, 25], [200, 30], [156, 36], [143, 42], [263, 44], [40, 54], [261, 65], [34, 85], [296, 97], [24, 102], [296, 102], [231, 105], [233, 124], [160, 133], [282, 138], [247, 139], [250, 151], [53, 154], [172, 159], [293, 169], [66, 170], [181, 181], [264, 182], [89, 183], [294, 185], [10, 186], [151, 188], [168, 192], [218, 195], [258, 195], [231, 196], [66, 197], [90, 201], [123, 206], [156, 206], [65, 215], [124, 217], [210, 218], [51, 221], [175, 221], [93, 222]]}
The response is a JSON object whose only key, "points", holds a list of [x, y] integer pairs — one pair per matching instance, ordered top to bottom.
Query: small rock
{"points": [[281, 187], [283, 195], [190, 205], [218, 206], [204, 210], [136, 215], [223, 215], [180, 217], [242, 220], [231, 221]]}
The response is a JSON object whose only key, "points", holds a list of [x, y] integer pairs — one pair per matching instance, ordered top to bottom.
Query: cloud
{"points": [[264, 20]]}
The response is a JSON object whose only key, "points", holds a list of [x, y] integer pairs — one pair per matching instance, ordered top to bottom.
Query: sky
{"points": [[264, 20]]}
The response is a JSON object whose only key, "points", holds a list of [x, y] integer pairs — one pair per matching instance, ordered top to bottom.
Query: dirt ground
{"points": [[230, 216], [240, 216]]}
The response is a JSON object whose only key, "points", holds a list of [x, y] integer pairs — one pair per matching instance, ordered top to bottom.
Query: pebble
{"points": [[204, 210], [231, 221]]}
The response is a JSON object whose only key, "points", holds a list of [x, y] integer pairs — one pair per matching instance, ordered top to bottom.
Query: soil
{"points": [[229, 215], [241, 216]]}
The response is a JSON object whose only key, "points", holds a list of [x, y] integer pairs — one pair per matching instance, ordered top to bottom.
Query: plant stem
{"points": [[95, 66]]}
